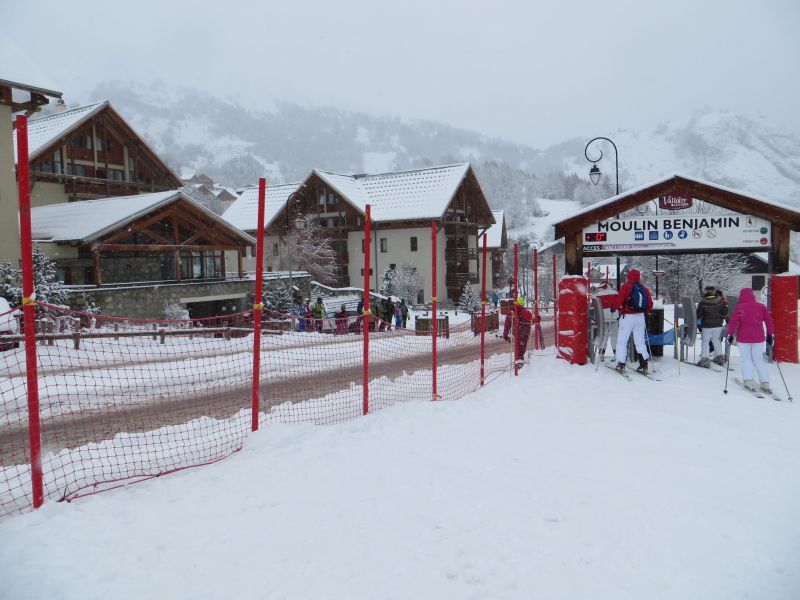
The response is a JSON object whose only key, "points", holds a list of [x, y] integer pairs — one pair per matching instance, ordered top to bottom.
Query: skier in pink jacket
{"points": [[747, 324]]}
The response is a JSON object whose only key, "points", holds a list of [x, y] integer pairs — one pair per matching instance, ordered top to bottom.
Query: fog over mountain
{"points": [[199, 132]]}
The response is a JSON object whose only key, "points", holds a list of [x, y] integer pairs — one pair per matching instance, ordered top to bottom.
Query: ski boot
{"points": [[719, 360], [704, 362], [642, 364], [621, 367], [750, 384], [765, 387]]}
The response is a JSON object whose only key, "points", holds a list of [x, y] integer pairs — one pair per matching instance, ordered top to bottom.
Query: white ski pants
{"points": [[632, 323], [611, 332], [710, 333], [753, 354]]}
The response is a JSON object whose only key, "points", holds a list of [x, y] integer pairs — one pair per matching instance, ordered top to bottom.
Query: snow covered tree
{"points": [[312, 250], [687, 275], [404, 281], [45, 283], [279, 298], [469, 301], [176, 312]]}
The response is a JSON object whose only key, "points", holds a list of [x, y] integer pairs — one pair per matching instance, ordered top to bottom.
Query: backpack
{"points": [[637, 301]]}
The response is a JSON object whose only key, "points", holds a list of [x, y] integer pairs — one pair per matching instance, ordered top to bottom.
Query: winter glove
{"points": [[700, 328], [730, 339], [770, 340]]}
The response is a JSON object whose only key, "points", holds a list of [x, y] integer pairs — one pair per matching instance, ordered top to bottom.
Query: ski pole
{"points": [[727, 365], [788, 393]]}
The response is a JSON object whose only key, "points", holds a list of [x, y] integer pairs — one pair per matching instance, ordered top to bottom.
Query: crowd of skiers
{"points": [[386, 312], [750, 326]]}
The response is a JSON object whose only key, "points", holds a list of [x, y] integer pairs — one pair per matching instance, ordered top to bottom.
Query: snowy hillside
{"points": [[282, 141], [615, 491]]}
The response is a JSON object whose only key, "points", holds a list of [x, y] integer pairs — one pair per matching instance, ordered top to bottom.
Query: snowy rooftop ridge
{"points": [[43, 131], [400, 195], [243, 213], [89, 219]]}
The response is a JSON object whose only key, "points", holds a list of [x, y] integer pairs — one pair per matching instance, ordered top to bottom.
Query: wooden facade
{"points": [[99, 157]]}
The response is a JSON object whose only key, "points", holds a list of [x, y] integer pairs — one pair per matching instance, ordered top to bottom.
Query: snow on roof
{"points": [[45, 130], [665, 179], [404, 195], [243, 213], [88, 219], [494, 235]]}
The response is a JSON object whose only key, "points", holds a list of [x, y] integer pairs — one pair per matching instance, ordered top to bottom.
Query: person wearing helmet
{"points": [[524, 319]]}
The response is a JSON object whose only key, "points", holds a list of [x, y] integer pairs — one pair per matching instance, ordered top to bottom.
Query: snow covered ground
{"points": [[530, 488]]}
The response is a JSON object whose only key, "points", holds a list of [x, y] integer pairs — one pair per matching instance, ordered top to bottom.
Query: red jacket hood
{"points": [[634, 276]]}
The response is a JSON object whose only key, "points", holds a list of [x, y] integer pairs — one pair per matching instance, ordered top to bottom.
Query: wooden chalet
{"points": [[91, 152], [403, 206], [158, 237]]}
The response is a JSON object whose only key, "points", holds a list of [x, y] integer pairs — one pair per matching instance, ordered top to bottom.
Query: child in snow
{"points": [[711, 313], [398, 316], [631, 320], [747, 324]]}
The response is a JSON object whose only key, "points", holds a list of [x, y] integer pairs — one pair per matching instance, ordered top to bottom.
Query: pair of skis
{"points": [[625, 374], [758, 393]]}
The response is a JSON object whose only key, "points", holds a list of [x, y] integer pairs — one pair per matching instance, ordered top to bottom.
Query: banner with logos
{"points": [[677, 232]]}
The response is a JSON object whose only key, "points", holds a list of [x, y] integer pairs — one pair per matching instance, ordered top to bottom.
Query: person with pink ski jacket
{"points": [[747, 325]]}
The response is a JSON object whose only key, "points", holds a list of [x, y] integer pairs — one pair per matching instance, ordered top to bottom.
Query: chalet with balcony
{"points": [[91, 152], [403, 204]]}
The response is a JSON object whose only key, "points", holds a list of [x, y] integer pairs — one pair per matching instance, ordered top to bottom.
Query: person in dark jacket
{"points": [[404, 312], [711, 315], [341, 321], [632, 322], [523, 331]]}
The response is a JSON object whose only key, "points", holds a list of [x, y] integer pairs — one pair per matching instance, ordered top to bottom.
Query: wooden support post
{"points": [[780, 249], [573, 254], [241, 263], [222, 264], [98, 277]]}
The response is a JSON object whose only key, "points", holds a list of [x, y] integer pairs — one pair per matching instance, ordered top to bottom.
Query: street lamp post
{"points": [[595, 174], [293, 202]]}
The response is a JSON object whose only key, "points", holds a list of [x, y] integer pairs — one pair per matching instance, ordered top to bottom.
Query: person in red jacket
{"points": [[633, 301], [747, 324], [523, 332]]}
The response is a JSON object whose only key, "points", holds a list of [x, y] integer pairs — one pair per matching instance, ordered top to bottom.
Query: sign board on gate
{"points": [[675, 202], [676, 233]]}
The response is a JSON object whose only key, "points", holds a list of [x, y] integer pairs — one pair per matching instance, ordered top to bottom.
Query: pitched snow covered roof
{"points": [[43, 131], [677, 177], [400, 196], [243, 213], [89, 219], [494, 235]]}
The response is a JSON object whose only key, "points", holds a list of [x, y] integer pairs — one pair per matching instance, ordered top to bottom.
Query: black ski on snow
{"points": [[709, 368], [620, 373]]}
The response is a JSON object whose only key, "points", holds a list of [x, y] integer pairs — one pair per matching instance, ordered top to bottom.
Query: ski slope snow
{"points": [[529, 488]]}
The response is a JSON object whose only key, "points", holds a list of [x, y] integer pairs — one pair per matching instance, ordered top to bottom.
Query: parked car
{"points": [[8, 325]]}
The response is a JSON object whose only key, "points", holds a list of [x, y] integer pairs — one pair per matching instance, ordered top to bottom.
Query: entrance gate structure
{"points": [[691, 217]]}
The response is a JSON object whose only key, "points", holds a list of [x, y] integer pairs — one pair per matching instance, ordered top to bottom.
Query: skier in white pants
{"points": [[633, 301], [747, 324]]}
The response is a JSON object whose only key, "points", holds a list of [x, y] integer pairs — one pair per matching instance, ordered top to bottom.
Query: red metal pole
{"points": [[555, 293], [433, 300], [258, 303], [516, 309], [29, 311], [483, 311], [366, 315], [537, 326]]}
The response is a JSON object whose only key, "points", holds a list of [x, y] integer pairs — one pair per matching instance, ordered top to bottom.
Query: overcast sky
{"points": [[533, 72]]}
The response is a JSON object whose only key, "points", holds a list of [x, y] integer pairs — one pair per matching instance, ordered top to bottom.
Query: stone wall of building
{"points": [[149, 302]]}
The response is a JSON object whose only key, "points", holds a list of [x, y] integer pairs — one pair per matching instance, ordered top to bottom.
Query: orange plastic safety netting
{"points": [[126, 399]]}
